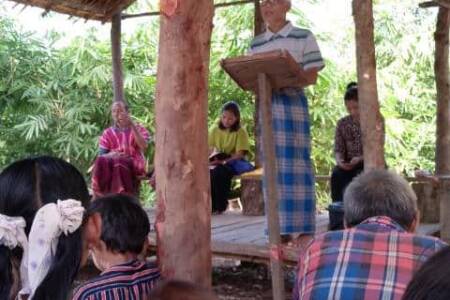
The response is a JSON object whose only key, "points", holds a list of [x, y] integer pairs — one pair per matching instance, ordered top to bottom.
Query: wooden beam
{"points": [[436, 3], [157, 13], [116, 51], [441, 69], [371, 120], [270, 167], [183, 221]]}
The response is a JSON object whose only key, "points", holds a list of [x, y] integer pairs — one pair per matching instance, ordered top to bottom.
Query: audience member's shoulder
{"points": [[344, 120], [429, 242], [88, 289]]}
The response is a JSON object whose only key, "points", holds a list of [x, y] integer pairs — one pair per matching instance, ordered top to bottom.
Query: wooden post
{"points": [[259, 25], [259, 28], [117, 58], [441, 68], [371, 119], [183, 221], [276, 263]]}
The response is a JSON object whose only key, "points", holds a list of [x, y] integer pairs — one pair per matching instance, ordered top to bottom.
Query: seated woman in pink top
{"points": [[121, 161]]}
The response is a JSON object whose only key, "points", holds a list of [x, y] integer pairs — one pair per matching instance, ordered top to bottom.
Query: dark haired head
{"points": [[351, 93], [123, 103], [233, 108], [25, 186], [125, 224], [432, 281], [174, 289]]}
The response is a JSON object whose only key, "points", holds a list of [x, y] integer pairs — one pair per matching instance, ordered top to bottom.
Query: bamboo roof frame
{"points": [[99, 10], [102, 10]]}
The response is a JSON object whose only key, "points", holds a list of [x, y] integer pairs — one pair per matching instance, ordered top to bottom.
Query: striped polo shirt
{"points": [[300, 43], [130, 281]]}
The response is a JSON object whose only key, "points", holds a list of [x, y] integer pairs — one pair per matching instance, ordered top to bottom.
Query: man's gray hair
{"points": [[380, 193]]}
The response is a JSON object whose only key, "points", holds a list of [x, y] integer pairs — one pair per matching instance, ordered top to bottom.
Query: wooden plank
{"points": [[284, 71], [248, 242]]}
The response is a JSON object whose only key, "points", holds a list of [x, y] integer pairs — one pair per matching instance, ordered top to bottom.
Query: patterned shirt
{"points": [[300, 43], [348, 138], [123, 141], [373, 260], [133, 280]]}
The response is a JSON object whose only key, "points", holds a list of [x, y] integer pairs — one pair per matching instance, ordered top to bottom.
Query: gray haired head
{"points": [[380, 193]]}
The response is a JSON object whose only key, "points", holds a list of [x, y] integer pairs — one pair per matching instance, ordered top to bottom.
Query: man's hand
{"points": [[356, 160], [345, 166]]}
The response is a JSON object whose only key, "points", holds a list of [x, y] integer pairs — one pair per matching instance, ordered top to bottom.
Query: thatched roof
{"points": [[101, 10]]}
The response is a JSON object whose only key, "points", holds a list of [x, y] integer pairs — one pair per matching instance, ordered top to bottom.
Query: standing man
{"points": [[290, 119]]}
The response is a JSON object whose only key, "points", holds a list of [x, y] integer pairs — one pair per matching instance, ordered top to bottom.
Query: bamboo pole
{"points": [[156, 13], [116, 51], [441, 68], [371, 119], [183, 221], [276, 261]]}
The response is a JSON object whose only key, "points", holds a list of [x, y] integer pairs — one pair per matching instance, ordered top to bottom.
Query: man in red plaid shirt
{"points": [[378, 253]]}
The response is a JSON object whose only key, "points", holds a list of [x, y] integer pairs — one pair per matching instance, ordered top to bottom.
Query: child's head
{"points": [[351, 100], [231, 117], [26, 186], [117, 226], [176, 289]]}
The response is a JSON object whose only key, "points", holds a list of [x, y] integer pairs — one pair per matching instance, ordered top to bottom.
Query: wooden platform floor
{"points": [[242, 237]]}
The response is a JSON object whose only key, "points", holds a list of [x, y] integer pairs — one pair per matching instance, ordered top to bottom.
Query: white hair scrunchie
{"points": [[50, 222], [12, 231], [12, 235]]}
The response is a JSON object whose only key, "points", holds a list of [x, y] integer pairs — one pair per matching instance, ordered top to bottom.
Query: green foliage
{"points": [[56, 100]]}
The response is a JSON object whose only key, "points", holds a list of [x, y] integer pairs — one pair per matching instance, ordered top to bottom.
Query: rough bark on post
{"points": [[116, 52], [441, 68], [371, 119], [183, 220]]}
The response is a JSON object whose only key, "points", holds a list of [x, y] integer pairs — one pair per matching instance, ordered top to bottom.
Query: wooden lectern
{"points": [[262, 73]]}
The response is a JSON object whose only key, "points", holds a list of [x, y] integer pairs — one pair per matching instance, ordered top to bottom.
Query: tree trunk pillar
{"points": [[116, 52], [441, 68], [369, 108], [183, 220]]}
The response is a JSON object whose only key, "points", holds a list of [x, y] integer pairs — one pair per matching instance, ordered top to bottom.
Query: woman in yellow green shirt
{"points": [[229, 143]]}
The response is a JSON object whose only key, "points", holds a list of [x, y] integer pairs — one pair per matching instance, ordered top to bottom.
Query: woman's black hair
{"points": [[351, 93], [232, 107], [25, 186], [125, 224], [432, 280]]}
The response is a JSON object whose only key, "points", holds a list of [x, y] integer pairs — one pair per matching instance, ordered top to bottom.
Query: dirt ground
{"points": [[232, 280], [247, 281]]}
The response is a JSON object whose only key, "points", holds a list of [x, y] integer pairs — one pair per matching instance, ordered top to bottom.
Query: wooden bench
{"points": [[253, 203]]}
